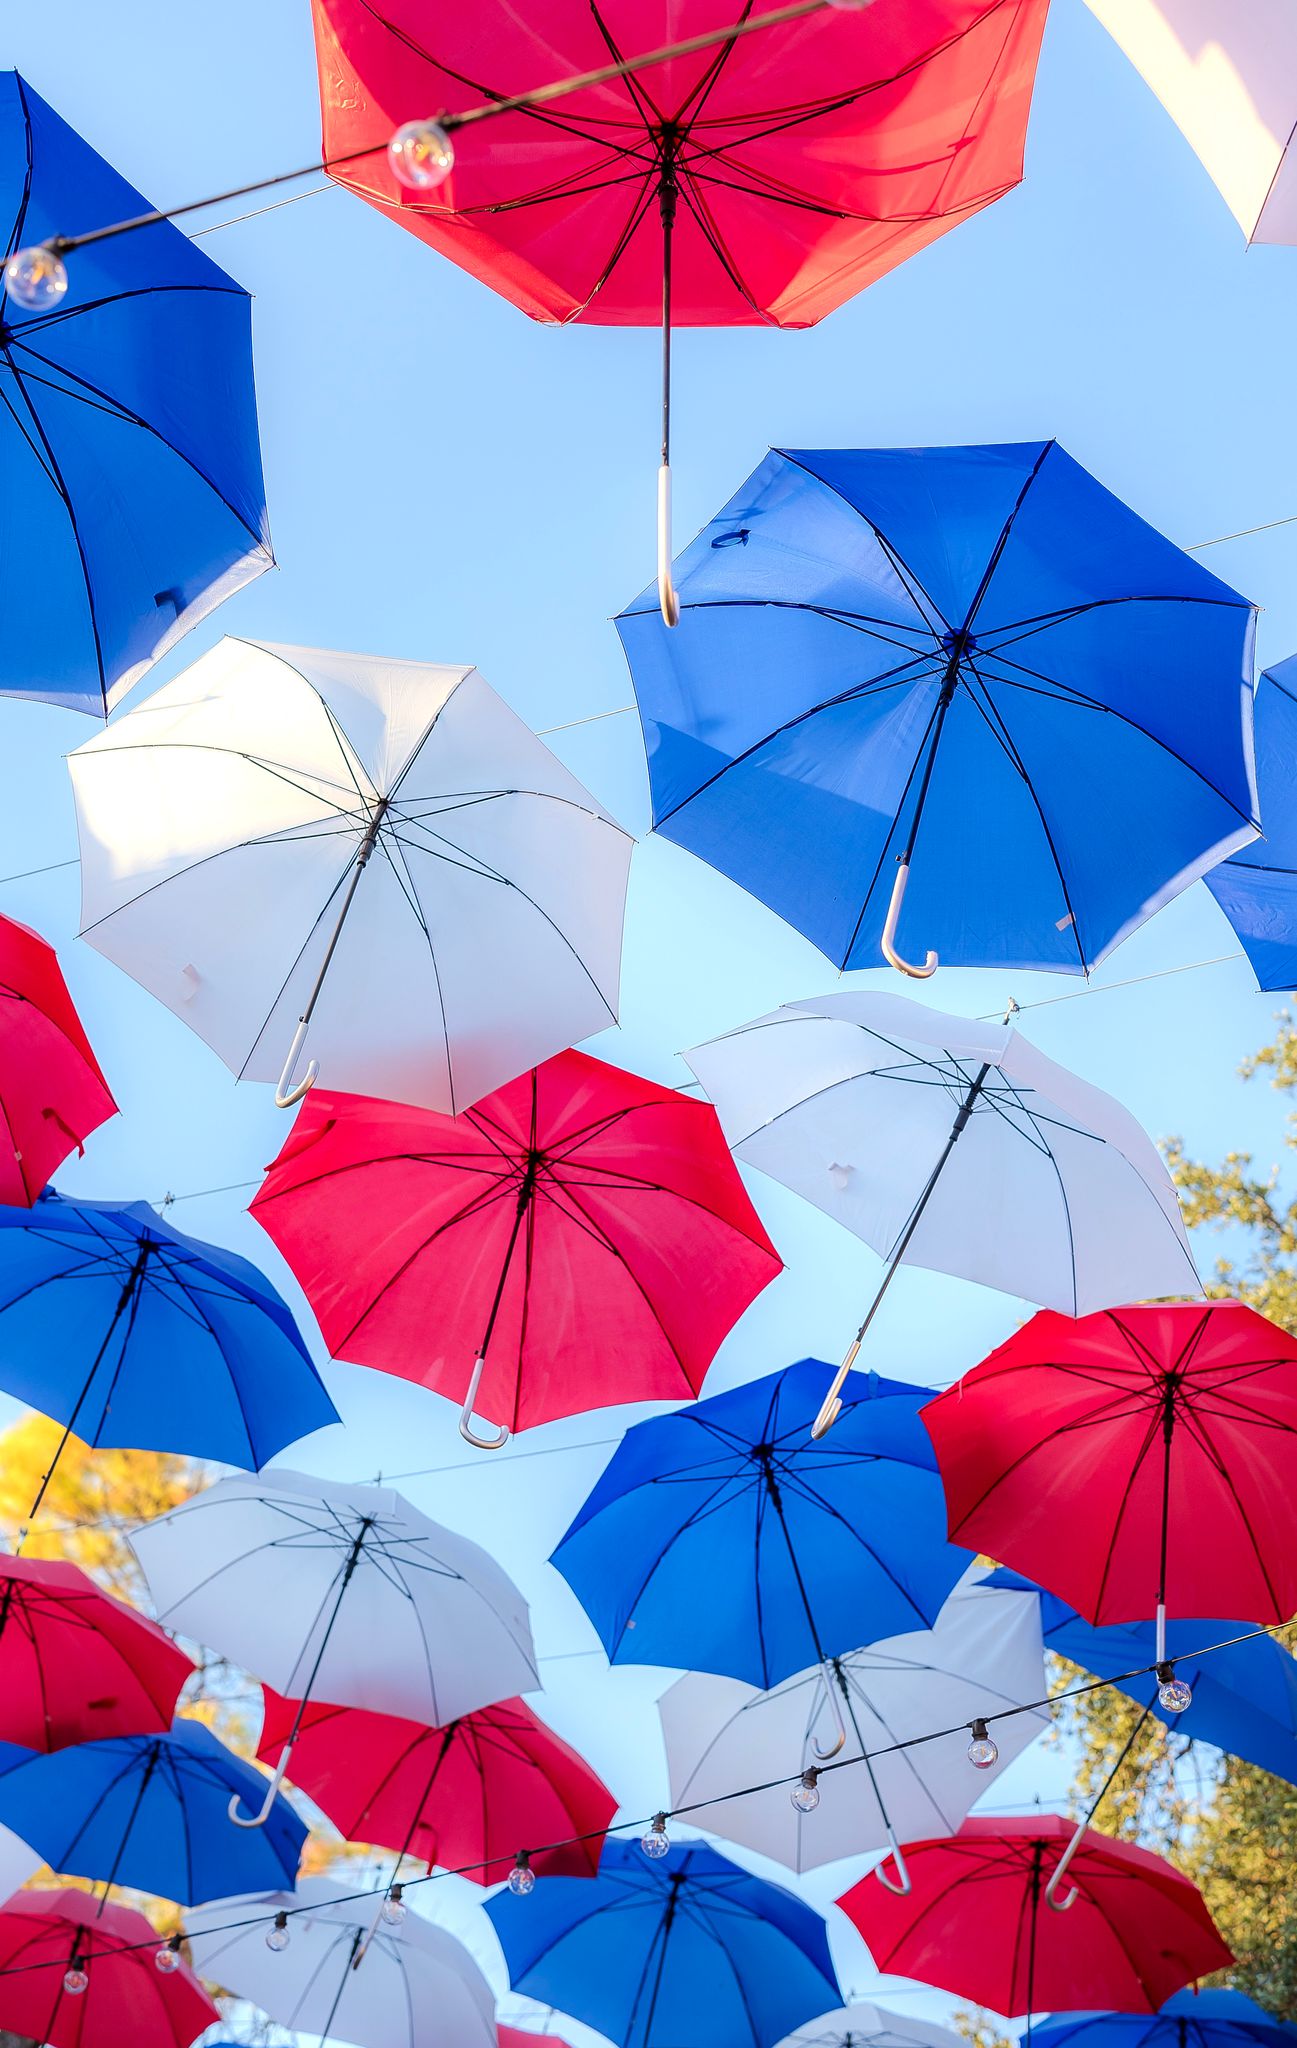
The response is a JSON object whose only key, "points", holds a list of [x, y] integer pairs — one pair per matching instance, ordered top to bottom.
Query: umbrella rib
{"points": [[24, 197], [60, 316], [5, 400], [56, 477], [905, 574], [473, 1207], [617, 1253]]}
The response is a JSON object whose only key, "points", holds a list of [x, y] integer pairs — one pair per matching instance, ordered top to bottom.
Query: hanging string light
{"points": [[421, 156], [1174, 1694], [983, 1752], [805, 1795], [655, 1841], [522, 1878], [394, 1908], [278, 1937], [168, 1957], [75, 1980]]}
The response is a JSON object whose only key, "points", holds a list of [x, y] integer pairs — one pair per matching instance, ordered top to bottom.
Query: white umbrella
{"points": [[379, 850], [955, 1145], [345, 1592], [983, 1655], [412, 1985], [870, 2026]]}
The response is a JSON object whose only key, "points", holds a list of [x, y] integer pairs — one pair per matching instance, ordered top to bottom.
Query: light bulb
{"points": [[422, 155], [37, 277], [1174, 1694], [982, 1751], [806, 1795], [656, 1841], [522, 1878], [394, 1908], [277, 1939], [168, 1957], [75, 1981]]}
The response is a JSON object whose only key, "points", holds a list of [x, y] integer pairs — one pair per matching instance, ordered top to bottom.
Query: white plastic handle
{"points": [[667, 598], [890, 954], [286, 1095], [831, 1406], [466, 1429], [829, 1682], [262, 1815], [903, 1884], [1051, 1889]]}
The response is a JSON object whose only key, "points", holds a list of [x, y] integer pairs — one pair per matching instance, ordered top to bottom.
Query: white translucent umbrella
{"points": [[1226, 72], [379, 851], [952, 1144], [346, 1593], [983, 1655], [411, 1986], [870, 2026]]}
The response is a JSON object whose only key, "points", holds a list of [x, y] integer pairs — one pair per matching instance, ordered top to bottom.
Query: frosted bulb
{"points": [[422, 156], [37, 278], [1173, 1694], [982, 1751], [806, 1795], [656, 1841], [522, 1878], [394, 1908], [277, 1939], [168, 1957], [75, 1981]]}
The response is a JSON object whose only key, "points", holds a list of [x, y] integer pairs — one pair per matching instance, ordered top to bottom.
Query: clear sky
{"points": [[447, 480]]}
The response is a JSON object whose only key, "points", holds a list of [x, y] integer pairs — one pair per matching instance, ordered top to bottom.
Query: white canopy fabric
{"points": [[1226, 72], [222, 827], [1051, 1191], [983, 1655], [414, 1985], [871, 2026]]}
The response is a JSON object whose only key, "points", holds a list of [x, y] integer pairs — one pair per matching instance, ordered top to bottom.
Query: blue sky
{"points": [[449, 481]]}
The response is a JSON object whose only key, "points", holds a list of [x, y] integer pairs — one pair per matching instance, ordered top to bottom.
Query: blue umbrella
{"points": [[133, 500], [973, 659], [1257, 887], [133, 1335], [726, 1538], [1244, 1697], [150, 1811], [684, 1950], [1192, 2019]]}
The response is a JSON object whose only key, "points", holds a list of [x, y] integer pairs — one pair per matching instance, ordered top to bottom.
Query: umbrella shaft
{"points": [[668, 193], [939, 719], [364, 850]]}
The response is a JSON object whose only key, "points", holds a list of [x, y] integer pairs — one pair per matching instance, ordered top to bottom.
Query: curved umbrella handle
{"points": [[667, 598], [890, 954], [286, 1095], [831, 1405], [466, 1429], [840, 1726], [262, 1815], [903, 1884], [1051, 1889]]}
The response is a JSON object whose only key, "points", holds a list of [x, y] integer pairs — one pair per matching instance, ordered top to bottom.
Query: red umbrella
{"points": [[761, 181], [52, 1094], [578, 1238], [1138, 1460], [77, 1665], [478, 1787], [1123, 1931], [124, 2000], [518, 2037]]}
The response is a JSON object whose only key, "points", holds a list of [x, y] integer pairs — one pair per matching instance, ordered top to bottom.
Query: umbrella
{"points": [[1227, 76], [760, 179], [133, 497], [969, 671], [487, 884], [1257, 888], [52, 1094], [953, 1144], [581, 1237], [136, 1336], [1140, 1460], [724, 1538], [347, 1591], [982, 1655], [77, 1664], [456, 1795], [149, 1811], [985, 1922], [671, 1951], [342, 1976], [124, 2002], [1213, 2018], [870, 2026], [527, 2037]]}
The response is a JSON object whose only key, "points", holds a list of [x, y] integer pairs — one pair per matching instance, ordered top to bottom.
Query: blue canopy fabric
{"points": [[132, 499], [981, 637], [1257, 887], [136, 1336], [725, 1538], [151, 1811], [688, 1951], [1191, 2019]]}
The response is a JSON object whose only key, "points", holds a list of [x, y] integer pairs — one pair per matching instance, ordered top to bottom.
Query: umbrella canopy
{"points": [[1227, 76], [133, 499], [969, 670], [1257, 888], [439, 900], [52, 1094], [583, 1231], [1141, 1459], [724, 1538], [984, 1654], [77, 1664], [465, 1793], [149, 1811], [977, 1923], [669, 1952], [412, 1985], [127, 2003], [1213, 2018], [870, 2026]]}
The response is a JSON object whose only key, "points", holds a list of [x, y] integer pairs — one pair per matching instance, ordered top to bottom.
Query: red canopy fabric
{"points": [[810, 158], [52, 1094], [588, 1223], [1061, 1451], [77, 1665], [478, 1788], [977, 1924], [128, 2003], [519, 2037]]}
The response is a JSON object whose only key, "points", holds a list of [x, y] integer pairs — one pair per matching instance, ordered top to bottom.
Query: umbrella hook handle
{"points": [[667, 599], [890, 954], [286, 1095], [466, 1429], [839, 1725], [259, 1819], [903, 1884], [1051, 1889]]}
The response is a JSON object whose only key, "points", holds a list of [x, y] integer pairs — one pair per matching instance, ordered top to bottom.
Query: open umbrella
{"points": [[760, 180], [133, 498], [969, 671], [1257, 887], [439, 902], [52, 1094], [951, 1143], [578, 1238], [347, 1592], [77, 1664], [671, 1951], [123, 2001], [1214, 2018], [870, 2026]]}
